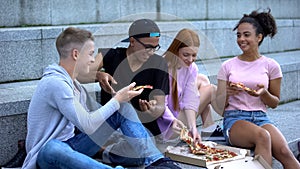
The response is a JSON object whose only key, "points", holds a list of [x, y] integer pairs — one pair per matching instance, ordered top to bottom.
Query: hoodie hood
{"points": [[59, 72]]}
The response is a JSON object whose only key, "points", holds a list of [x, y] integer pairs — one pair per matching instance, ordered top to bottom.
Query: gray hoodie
{"points": [[53, 112]]}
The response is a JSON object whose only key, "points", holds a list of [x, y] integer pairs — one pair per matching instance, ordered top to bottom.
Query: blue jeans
{"points": [[231, 116], [79, 149], [59, 155]]}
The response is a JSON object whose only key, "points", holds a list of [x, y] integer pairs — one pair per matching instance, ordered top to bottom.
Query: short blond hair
{"points": [[72, 38]]}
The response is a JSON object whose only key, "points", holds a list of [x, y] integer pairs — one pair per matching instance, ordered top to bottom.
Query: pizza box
{"points": [[182, 154], [247, 163]]}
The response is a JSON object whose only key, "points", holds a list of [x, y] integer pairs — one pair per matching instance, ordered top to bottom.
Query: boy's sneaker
{"points": [[216, 135], [164, 163]]}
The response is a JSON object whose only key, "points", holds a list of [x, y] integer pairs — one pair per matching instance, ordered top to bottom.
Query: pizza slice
{"points": [[241, 86], [142, 87], [197, 148], [210, 153]]}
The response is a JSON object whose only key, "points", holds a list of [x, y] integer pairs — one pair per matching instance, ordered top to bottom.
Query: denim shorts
{"points": [[259, 118]]}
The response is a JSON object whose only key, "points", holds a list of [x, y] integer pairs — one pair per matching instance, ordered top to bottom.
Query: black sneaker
{"points": [[218, 132], [216, 135], [18, 159], [164, 163]]}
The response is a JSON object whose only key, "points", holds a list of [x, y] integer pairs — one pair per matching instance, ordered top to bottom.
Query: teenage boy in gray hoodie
{"points": [[60, 103]]}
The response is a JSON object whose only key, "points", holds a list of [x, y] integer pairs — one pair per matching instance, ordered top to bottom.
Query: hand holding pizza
{"points": [[241, 87], [235, 88], [232, 90], [260, 91], [125, 94], [177, 126], [196, 136], [188, 137]]}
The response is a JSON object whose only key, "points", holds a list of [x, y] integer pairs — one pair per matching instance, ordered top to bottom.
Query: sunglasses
{"points": [[148, 47]]}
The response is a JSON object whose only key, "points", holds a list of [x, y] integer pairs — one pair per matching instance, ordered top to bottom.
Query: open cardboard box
{"points": [[182, 154], [247, 163]]}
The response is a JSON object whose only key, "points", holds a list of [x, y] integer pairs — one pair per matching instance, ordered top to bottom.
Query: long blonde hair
{"points": [[184, 38]]}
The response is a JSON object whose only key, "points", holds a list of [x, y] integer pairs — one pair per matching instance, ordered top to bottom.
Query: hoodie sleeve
{"points": [[71, 108], [91, 121]]}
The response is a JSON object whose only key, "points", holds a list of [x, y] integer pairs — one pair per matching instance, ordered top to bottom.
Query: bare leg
{"points": [[206, 91], [205, 107], [248, 135], [280, 148]]}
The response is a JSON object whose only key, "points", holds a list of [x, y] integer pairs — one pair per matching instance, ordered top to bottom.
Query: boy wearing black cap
{"points": [[138, 63]]}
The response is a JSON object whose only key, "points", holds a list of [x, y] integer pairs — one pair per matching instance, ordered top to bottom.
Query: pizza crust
{"points": [[142, 87]]}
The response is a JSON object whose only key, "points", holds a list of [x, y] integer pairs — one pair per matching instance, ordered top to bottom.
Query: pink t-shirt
{"points": [[260, 71]]}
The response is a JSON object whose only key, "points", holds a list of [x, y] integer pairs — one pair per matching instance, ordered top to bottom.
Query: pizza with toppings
{"points": [[241, 86], [142, 87], [210, 153]]}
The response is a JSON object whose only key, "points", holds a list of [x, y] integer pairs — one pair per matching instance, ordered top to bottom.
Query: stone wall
{"points": [[57, 12], [25, 52]]}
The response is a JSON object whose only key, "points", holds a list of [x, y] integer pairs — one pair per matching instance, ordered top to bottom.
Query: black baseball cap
{"points": [[143, 28]]}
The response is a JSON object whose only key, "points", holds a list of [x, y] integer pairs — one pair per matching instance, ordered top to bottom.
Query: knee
{"points": [[202, 80], [126, 107], [127, 110], [263, 137]]}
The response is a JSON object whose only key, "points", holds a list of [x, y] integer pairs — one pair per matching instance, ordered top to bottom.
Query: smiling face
{"points": [[247, 39], [141, 47], [183, 50], [187, 55], [85, 57]]}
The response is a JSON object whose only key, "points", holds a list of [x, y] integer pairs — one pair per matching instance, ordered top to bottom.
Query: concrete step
{"points": [[31, 49]]}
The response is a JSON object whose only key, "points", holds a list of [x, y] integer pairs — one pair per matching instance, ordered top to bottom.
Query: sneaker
{"points": [[218, 132], [216, 135], [18, 159], [164, 163]]}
